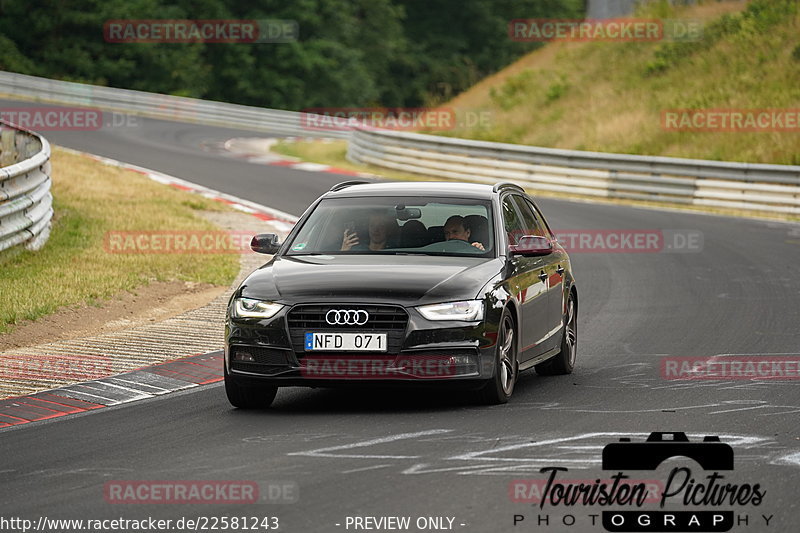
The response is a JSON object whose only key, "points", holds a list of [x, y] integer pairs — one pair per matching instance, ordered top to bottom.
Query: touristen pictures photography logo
{"points": [[699, 491]]}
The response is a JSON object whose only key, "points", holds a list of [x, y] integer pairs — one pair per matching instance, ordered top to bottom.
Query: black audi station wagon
{"points": [[410, 284]]}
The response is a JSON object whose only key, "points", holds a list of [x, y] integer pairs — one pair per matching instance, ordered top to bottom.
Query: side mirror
{"points": [[265, 243], [531, 245]]}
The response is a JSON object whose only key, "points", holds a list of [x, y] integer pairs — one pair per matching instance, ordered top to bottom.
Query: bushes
{"points": [[349, 53]]}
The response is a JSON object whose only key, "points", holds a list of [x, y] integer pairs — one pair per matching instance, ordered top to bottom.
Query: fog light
{"points": [[243, 356]]}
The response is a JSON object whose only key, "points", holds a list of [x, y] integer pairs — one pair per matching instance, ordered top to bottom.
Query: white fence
{"points": [[162, 106], [753, 187], [26, 205]]}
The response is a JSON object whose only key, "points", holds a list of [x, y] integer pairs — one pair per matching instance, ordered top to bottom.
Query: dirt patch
{"points": [[151, 303], [148, 304]]}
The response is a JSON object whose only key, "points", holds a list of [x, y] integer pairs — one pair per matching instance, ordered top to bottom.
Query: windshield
{"points": [[397, 225]]}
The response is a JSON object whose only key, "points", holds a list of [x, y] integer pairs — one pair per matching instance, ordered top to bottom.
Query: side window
{"points": [[541, 219], [511, 220], [531, 222]]}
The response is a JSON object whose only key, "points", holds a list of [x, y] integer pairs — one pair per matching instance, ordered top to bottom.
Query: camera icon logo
{"points": [[711, 454]]}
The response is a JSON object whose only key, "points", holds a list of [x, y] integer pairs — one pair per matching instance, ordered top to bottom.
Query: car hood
{"points": [[384, 278]]}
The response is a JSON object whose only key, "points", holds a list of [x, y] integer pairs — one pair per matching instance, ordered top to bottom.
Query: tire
{"points": [[564, 361], [499, 388], [248, 396]]}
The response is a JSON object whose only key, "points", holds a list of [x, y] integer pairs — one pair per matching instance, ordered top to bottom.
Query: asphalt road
{"points": [[191, 152], [424, 454]]}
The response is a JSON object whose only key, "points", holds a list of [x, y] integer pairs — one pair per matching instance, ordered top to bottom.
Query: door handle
{"points": [[560, 269], [542, 276]]}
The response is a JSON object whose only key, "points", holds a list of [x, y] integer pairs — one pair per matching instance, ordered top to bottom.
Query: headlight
{"points": [[250, 308], [468, 310]]}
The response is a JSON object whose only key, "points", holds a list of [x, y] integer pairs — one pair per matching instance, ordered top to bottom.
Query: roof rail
{"points": [[344, 184], [506, 185]]}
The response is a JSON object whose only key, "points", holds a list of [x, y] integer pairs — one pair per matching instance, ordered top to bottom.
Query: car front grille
{"points": [[381, 318], [391, 320]]}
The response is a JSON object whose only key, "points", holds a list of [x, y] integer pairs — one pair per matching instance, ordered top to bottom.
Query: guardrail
{"points": [[161, 106], [752, 187], [26, 205]]}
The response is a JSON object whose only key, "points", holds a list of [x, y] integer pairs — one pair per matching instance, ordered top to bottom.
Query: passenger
{"points": [[455, 229], [382, 231]]}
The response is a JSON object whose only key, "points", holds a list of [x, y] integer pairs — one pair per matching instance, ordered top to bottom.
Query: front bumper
{"points": [[422, 353]]}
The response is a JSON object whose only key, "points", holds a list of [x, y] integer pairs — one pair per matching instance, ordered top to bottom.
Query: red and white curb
{"points": [[256, 150], [283, 221], [158, 379], [147, 382]]}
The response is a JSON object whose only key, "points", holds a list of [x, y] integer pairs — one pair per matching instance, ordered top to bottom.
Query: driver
{"points": [[456, 229]]}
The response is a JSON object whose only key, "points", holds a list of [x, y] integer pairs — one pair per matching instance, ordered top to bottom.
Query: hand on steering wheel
{"points": [[458, 245]]}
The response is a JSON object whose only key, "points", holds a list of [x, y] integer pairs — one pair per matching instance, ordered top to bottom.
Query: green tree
{"points": [[349, 52]]}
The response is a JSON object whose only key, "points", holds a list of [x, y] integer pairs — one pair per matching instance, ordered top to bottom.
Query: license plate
{"points": [[357, 342]]}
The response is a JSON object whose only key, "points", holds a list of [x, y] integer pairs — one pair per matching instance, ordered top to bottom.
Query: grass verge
{"points": [[610, 96], [73, 268]]}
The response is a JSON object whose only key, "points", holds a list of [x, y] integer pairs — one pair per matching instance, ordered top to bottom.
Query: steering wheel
{"points": [[453, 245]]}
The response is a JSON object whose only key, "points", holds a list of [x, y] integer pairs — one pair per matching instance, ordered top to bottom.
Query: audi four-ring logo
{"points": [[346, 317]]}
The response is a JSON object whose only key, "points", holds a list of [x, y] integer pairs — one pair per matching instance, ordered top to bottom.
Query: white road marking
{"points": [[739, 409], [657, 410], [562, 451], [325, 452], [481, 454], [792, 459], [506, 465], [374, 467], [423, 468]]}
